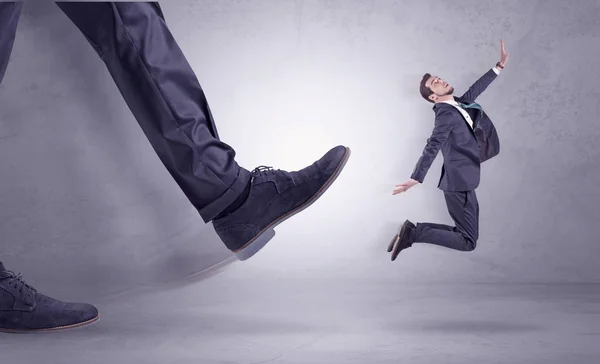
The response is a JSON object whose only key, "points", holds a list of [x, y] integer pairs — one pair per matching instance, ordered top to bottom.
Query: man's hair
{"points": [[425, 91]]}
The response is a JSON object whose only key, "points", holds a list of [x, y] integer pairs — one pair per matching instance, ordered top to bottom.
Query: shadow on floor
{"points": [[474, 327]]}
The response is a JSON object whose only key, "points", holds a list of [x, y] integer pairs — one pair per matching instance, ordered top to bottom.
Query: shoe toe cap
{"points": [[331, 160], [85, 311], [54, 313]]}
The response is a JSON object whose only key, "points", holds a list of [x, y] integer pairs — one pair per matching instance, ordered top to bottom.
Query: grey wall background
{"points": [[85, 201]]}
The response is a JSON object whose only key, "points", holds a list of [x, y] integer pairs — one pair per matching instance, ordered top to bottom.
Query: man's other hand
{"points": [[403, 187]]}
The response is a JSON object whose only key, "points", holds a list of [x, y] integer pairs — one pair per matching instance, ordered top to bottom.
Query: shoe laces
{"points": [[261, 170], [17, 282]]}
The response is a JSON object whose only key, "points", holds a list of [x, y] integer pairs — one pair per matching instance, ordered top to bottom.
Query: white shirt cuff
{"points": [[495, 69]]}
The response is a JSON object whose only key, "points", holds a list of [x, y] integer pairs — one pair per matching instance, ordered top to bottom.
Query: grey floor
{"points": [[235, 316]]}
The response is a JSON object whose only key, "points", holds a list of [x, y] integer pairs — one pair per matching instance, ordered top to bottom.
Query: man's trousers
{"points": [[161, 90], [464, 210]]}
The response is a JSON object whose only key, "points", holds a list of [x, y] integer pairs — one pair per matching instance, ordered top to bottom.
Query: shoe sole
{"points": [[266, 234], [395, 239], [393, 242], [393, 247], [59, 328]]}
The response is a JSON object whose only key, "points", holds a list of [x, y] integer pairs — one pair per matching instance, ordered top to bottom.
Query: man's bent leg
{"points": [[162, 91], [164, 94], [464, 210]]}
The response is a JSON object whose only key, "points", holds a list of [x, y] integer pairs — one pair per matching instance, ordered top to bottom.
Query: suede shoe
{"points": [[275, 196], [402, 239], [23, 309]]}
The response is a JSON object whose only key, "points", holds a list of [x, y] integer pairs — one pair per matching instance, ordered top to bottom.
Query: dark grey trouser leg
{"points": [[9, 19], [164, 94], [464, 210]]}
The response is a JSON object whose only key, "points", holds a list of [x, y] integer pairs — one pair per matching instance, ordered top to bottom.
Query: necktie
{"points": [[470, 106]]}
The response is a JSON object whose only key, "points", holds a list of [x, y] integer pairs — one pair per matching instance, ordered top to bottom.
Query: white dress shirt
{"points": [[462, 111]]}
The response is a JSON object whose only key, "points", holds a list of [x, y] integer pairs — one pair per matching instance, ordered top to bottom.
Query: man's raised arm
{"points": [[482, 83]]}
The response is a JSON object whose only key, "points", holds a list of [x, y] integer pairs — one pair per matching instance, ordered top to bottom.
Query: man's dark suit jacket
{"points": [[463, 148]]}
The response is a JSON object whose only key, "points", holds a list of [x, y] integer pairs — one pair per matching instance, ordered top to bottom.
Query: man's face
{"points": [[439, 87]]}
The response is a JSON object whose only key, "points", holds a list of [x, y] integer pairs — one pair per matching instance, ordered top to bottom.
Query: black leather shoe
{"points": [[274, 197], [402, 239], [23, 309]]}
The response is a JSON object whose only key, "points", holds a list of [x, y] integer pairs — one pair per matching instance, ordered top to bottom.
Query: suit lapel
{"points": [[472, 130]]}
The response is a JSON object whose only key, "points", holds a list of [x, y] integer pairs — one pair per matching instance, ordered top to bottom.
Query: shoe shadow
{"points": [[116, 326], [476, 327]]}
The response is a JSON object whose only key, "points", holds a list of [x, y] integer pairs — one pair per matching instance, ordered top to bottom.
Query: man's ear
{"points": [[433, 97]]}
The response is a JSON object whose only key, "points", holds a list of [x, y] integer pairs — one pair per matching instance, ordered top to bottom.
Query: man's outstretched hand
{"points": [[503, 54], [403, 187]]}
